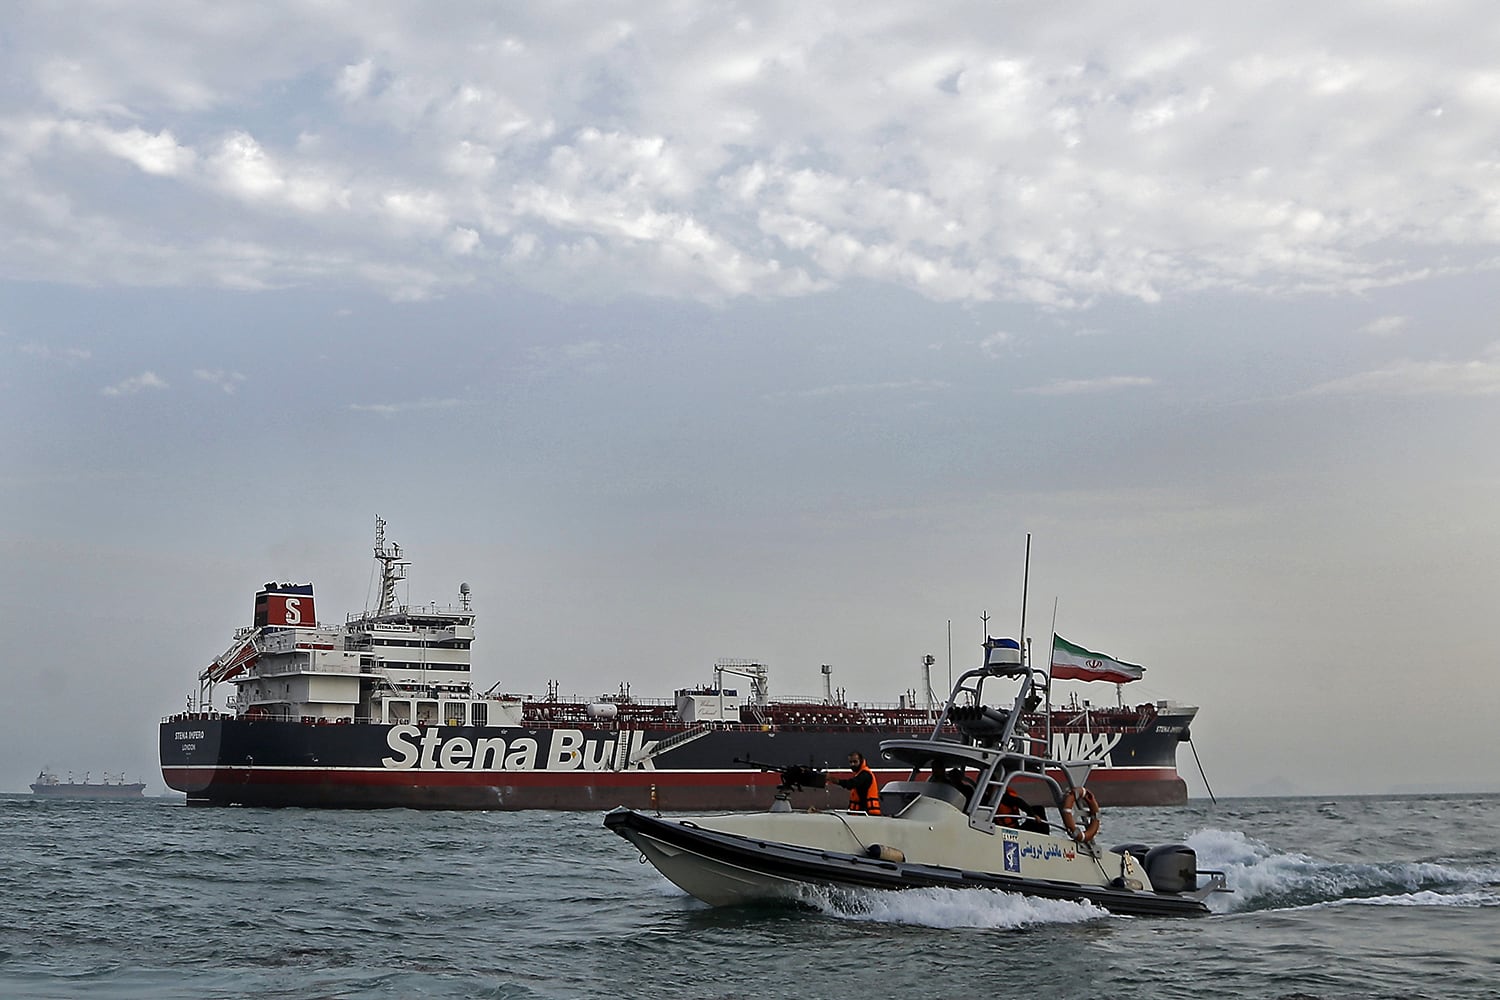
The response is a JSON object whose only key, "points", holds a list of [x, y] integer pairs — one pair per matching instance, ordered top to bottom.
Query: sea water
{"points": [[1333, 898]]}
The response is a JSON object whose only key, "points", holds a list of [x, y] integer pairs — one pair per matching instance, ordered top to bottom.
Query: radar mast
{"points": [[392, 568]]}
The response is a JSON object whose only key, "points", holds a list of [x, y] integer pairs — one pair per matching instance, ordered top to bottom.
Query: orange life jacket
{"points": [[869, 803], [1011, 809]]}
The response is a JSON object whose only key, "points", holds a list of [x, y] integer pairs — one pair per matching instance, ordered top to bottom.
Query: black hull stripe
{"points": [[228, 761]]}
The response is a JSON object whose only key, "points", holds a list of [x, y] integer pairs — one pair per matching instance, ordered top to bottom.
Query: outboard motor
{"points": [[1172, 868]]}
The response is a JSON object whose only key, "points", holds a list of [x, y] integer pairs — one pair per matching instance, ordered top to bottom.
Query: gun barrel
{"points": [[763, 765], [792, 775]]}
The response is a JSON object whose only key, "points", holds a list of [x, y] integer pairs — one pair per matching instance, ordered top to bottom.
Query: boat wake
{"points": [[1261, 878], [1266, 879], [982, 909]]}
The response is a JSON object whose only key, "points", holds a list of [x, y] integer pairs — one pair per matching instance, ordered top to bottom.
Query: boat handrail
{"points": [[986, 802]]}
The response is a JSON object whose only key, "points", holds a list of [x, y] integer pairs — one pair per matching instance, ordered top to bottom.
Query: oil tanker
{"points": [[381, 712]]}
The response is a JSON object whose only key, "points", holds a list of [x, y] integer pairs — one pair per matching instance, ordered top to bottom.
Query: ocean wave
{"points": [[1263, 878], [1471, 899]]}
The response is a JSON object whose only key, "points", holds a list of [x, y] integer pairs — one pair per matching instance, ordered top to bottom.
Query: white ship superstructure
{"points": [[395, 664]]}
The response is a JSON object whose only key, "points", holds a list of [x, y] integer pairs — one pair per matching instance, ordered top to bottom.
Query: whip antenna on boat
{"points": [[1025, 583]]}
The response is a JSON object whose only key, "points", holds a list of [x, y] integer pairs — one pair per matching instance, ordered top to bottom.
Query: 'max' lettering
{"points": [[1083, 746], [557, 750]]}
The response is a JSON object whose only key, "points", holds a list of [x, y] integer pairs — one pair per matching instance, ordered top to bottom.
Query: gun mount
{"points": [[794, 777]]}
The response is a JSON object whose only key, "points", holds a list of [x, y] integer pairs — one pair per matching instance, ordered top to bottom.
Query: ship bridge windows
{"points": [[387, 643]]}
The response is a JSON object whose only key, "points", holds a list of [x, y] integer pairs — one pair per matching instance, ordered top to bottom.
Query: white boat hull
{"points": [[730, 860], [716, 882]]}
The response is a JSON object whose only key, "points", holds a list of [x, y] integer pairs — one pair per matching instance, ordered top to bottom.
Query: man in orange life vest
{"points": [[864, 791]]}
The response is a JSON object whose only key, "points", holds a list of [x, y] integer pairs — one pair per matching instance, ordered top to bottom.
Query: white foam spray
{"points": [[1264, 878], [951, 908]]}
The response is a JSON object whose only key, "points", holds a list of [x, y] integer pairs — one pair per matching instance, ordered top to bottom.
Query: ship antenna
{"points": [[392, 568], [1025, 583]]}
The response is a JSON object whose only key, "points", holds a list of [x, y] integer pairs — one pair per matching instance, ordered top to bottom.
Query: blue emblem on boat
{"points": [[1012, 856]]}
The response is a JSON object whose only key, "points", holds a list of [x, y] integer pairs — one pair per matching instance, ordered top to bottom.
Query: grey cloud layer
{"points": [[978, 153]]}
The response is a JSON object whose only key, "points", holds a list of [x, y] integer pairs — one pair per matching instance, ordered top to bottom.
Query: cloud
{"points": [[354, 81], [157, 154], [991, 157], [242, 168], [462, 241], [1385, 326], [996, 345], [582, 352], [44, 353], [590, 356], [1480, 377], [228, 381], [135, 384], [1078, 387], [866, 388], [392, 409]]}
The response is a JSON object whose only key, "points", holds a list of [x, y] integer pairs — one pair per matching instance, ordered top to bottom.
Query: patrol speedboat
{"points": [[971, 814]]}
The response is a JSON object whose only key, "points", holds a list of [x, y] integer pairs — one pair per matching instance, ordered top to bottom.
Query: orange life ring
{"points": [[1090, 812], [1009, 815]]}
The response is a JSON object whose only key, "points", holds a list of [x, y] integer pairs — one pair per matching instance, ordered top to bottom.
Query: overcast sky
{"points": [[683, 331]]}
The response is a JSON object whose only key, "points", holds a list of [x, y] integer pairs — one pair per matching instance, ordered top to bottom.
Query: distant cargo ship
{"points": [[380, 712], [51, 786]]}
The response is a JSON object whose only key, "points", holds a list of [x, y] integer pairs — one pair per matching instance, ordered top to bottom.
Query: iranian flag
{"points": [[1074, 663]]}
